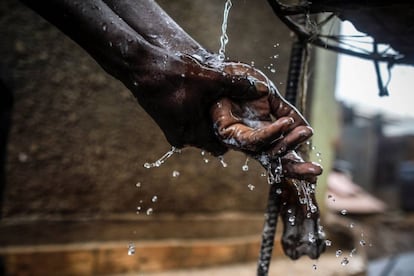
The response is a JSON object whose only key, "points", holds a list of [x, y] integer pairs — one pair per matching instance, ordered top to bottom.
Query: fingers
{"points": [[280, 108], [251, 136], [291, 140], [302, 170]]}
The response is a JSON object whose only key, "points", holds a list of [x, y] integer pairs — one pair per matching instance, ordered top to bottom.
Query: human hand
{"points": [[178, 92], [265, 127]]}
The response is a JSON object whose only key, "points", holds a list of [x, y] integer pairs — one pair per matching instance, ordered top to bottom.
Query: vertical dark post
{"points": [[296, 65], [6, 102], [269, 230]]}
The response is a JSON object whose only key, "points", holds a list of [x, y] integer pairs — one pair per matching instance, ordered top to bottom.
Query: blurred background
{"points": [[77, 200]]}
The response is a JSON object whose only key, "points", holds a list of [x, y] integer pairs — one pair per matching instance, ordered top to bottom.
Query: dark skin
{"points": [[174, 78]]}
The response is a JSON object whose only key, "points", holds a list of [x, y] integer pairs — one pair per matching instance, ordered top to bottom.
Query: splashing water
{"points": [[224, 39], [163, 158], [223, 163], [245, 167], [175, 174], [251, 187], [305, 191], [154, 199], [150, 211], [131, 249], [338, 253], [344, 261]]}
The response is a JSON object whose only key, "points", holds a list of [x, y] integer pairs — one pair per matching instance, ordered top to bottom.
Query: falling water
{"points": [[224, 39], [160, 161], [131, 249]]}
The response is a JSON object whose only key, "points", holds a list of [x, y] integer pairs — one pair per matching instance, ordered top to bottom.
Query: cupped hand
{"points": [[266, 125]]}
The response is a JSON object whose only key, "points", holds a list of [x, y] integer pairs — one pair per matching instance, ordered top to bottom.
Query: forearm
{"points": [[122, 36]]}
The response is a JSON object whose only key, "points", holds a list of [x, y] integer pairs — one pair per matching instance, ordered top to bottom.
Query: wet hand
{"points": [[266, 124]]}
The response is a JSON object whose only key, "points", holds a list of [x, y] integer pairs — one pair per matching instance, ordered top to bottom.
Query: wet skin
{"points": [[195, 100], [268, 127]]}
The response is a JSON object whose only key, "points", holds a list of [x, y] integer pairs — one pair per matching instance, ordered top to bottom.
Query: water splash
{"points": [[224, 39], [163, 158], [205, 159], [223, 163], [245, 167], [175, 174], [138, 185], [251, 187], [305, 191], [154, 198], [150, 211], [131, 249], [353, 252], [338, 253], [344, 261]]}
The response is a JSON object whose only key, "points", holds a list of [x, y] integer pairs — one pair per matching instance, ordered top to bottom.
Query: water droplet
{"points": [[104, 27], [110, 43], [252, 63], [273, 70], [183, 75], [135, 83], [23, 157], [163, 158], [221, 159], [206, 160], [245, 168], [175, 174], [138, 185], [251, 187], [279, 191], [154, 199], [313, 208], [150, 211], [344, 212], [292, 220], [351, 225], [311, 237], [362, 242], [328, 243], [131, 249], [353, 252], [338, 253], [344, 261], [314, 266]]}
